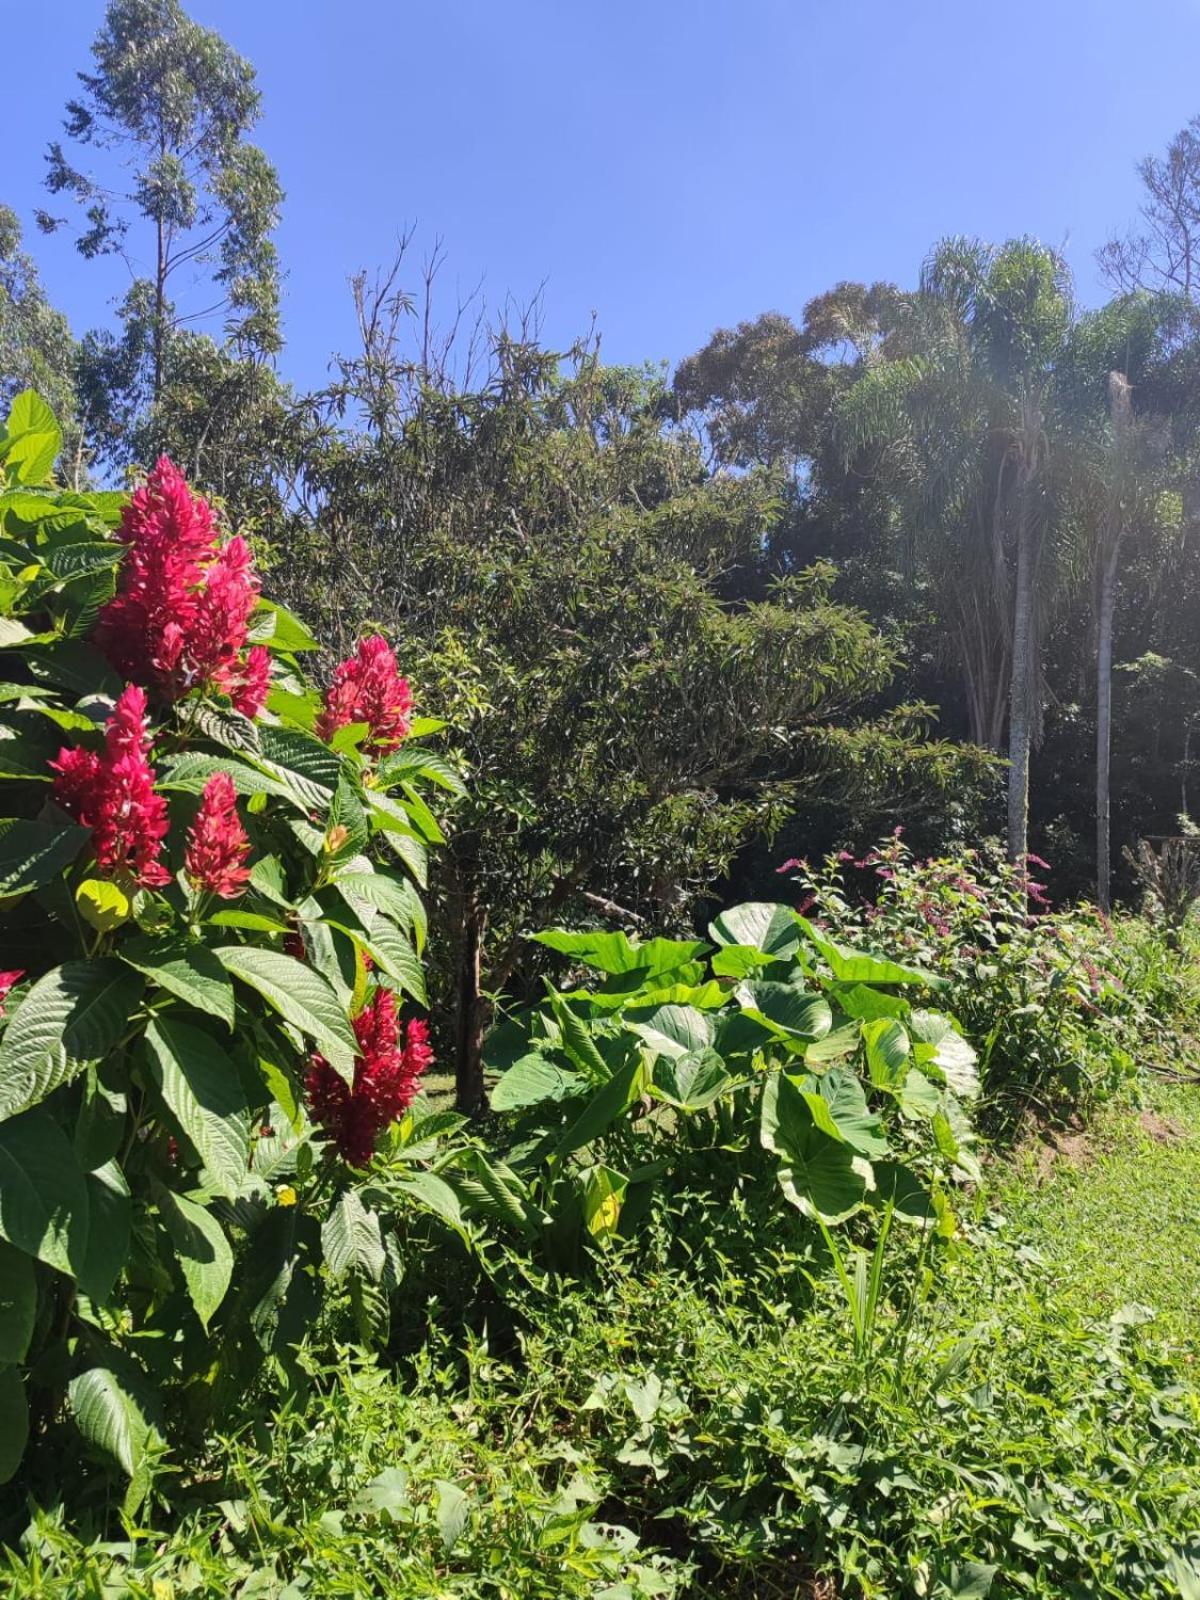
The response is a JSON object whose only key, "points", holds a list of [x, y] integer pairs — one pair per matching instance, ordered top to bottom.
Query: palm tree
{"points": [[962, 410]]}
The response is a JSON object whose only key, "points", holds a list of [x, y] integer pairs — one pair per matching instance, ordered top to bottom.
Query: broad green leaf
{"points": [[31, 443], [278, 628], [75, 665], [27, 752], [413, 764], [191, 771], [407, 847], [31, 853], [389, 893], [102, 905], [759, 924], [386, 945], [616, 953], [861, 966], [191, 972], [301, 996], [867, 1004], [786, 1011], [71, 1016], [672, 1030], [577, 1041], [887, 1051], [954, 1058], [532, 1080], [692, 1081], [203, 1091], [918, 1097], [611, 1101], [839, 1107], [100, 1128], [820, 1175], [897, 1185], [435, 1194], [603, 1194], [43, 1196], [109, 1219], [351, 1240], [201, 1248], [18, 1303], [111, 1416], [14, 1421], [453, 1512]]}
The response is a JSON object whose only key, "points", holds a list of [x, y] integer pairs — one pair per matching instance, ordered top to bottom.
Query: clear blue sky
{"points": [[671, 165]]}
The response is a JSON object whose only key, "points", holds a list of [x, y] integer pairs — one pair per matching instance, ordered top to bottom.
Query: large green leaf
{"points": [[31, 441], [27, 752], [416, 764], [31, 853], [389, 893], [760, 925], [388, 948], [616, 953], [862, 966], [189, 971], [301, 996], [787, 1012], [73, 1015], [672, 1030], [577, 1041], [887, 1051], [952, 1056], [532, 1080], [691, 1081], [201, 1088], [612, 1100], [839, 1107], [820, 1174], [43, 1196], [110, 1216], [351, 1239], [201, 1248], [18, 1303], [111, 1412], [14, 1421]]}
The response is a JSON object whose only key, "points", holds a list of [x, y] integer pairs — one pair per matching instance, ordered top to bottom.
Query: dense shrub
{"points": [[206, 953]]}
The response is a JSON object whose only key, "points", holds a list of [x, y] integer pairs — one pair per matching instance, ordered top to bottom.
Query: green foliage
{"points": [[166, 1203]]}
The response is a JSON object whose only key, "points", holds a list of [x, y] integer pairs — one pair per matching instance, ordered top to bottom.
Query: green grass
{"points": [[1117, 1215]]}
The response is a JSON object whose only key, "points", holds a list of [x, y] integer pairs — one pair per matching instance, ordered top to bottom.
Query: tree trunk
{"points": [[1104, 652], [1022, 689], [472, 1011]]}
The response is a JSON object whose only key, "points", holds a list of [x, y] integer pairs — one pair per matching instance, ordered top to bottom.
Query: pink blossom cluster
{"points": [[181, 614], [368, 688], [112, 793], [215, 862], [386, 1077]]}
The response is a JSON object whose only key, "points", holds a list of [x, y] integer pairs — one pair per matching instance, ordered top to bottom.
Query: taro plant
{"points": [[211, 924], [774, 1038]]}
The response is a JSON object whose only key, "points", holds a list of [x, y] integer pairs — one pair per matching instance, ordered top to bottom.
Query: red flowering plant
{"points": [[210, 886]]}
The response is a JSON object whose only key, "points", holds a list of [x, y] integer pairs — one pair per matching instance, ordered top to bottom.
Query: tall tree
{"points": [[179, 194], [1162, 249], [37, 350], [961, 414]]}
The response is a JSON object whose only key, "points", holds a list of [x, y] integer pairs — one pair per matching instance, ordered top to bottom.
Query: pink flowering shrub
{"points": [[1049, 994], [211, 1014]]}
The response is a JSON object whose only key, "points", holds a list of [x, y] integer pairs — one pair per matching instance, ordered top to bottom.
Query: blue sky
{"points": [[670, 165]]}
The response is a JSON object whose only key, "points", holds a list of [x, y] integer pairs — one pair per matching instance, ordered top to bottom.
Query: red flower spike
{"points": [[368, 688], [113, 794], [217, 844], [8, 980], [386, 1078]]}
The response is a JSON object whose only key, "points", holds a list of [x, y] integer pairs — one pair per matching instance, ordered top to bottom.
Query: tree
{"points": [[166, 111], [1162, 250], [37, 350], [961, 414], [565, 583]]}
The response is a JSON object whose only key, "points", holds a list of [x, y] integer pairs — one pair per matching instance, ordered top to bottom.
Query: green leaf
{"points": [[30, 444], [276, 627], [75, 665], [27, 753], [414, 764], [190, 772], [31, 853], [389, 893], [102, 905], [769, 928], [386, 945], [616, 953], [861, 966], [191, 972], [301, 996], [787, 1012], [73, 1015], [672, 1030], [576, 1040], [887, 1051], [953, 1056], [532, 1080], [690, 1082], [201, 1088], [612, 1100], [839, 1107], [100, 1128], [820, 1175], [435, 1194], [603, 1195], [43, 1197], [109, 1221], [351, 1240], [201, 1248], [18, 1303], [111, 1416], [14, 1421], [453, 1512]]}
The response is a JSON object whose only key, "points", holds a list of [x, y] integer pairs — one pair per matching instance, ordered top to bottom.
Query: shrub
{"points": [[211, 921]]}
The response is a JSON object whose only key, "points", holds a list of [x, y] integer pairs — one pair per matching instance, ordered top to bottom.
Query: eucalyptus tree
{"points": [[158, 161], [1161, 251], [37, 349], [961, 415]]}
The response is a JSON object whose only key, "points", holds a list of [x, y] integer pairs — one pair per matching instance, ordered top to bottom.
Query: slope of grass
{"points": [[1115, 1211]]}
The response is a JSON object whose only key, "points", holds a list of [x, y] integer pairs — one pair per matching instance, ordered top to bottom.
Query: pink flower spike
{"points": [[368, 688], [217, 848]]}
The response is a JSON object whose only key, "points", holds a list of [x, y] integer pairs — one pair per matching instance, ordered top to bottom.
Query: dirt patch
{"points": [[1163, 1130]]}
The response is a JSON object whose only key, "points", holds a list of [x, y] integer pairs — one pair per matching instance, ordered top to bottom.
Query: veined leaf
{"points": [[31, 853], [760, 924], [861, 966], [189, 971], [300, 995], [69, 1017], [531, 1081], [201, 1087], [820, 1174], [43, 1197], [109, 1220], [351, 1240], [201, 1248], [111, 1414]]}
